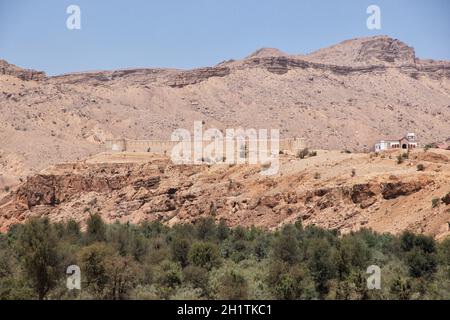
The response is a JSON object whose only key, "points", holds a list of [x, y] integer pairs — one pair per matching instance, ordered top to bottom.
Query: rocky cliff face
{"points": [[386, 50], [366, 51], [366, 55], [358, 56], [23, 74], [186, 78], [319, 191]]}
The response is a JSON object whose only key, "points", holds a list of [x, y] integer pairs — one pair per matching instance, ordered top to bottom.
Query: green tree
{"points": [[96, 229], [206, 229], [73, 230], [223, 231], [286, 245], [38, 247], [180, 251], [353, 253], [420, 254], [205, 255], [93, 261], [321, 263], [421, 263], [122, 274], [108, 275], [168, 276], [197, 277], [289, 282], [232, 286], [401, 289]]}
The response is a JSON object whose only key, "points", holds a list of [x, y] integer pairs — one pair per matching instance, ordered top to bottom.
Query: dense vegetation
{"points": [[212, 261]]}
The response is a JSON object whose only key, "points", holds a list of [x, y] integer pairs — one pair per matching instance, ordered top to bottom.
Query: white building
{"points": [[406, 142]]}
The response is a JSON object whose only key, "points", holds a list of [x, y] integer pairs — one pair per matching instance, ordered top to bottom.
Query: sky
{"points": [[195, 33]]}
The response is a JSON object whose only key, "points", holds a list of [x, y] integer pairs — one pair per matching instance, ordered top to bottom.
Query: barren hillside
{"points": [[345, 96], [332, 190]]}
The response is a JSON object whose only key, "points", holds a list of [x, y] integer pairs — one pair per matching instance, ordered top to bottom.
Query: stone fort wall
{"points": [[165, 147]]}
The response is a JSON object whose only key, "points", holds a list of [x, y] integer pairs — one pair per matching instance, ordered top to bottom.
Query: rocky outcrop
{"points": [[387, 50], [267, 52], [282, 64], [23, 74], [185, 78], [54, 189], [159, 190], [392, 190], [364, 194], [446, 199]]}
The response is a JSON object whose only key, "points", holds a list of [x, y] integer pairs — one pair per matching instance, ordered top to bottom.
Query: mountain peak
{"points": [[367, 50], [267, 52], [24, 74]]}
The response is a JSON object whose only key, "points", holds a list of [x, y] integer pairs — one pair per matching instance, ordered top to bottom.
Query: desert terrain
{"points": [[345, 97], [334, 189]]}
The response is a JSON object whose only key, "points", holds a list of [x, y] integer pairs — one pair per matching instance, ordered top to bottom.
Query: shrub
{"points": [[429, 146], [302, 153], [400, 159], [420, 167], [353, 172], [317, 175], [446, 199], [435, 202], [206, 228], [96, 229], [72, 230], [223, 230], [37, 246], [286, 246], [261, 247], [180, 251], [353, 252], [421, 254], [205, 255], [93, 261], [321, 263], [421, 264], [168, 277], [197, 277], [291, 283], [232, 286], [401, 289], [186, 293]]}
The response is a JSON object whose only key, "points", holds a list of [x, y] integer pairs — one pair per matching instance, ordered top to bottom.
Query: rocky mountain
{"points": [[367, 51], [23, 74], [343, 97]]}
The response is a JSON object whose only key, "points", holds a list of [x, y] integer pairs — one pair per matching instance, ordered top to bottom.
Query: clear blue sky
{"points": [[194, 33]]}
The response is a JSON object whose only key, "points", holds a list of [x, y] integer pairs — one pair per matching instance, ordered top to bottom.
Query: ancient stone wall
{"points": [[165, 147]]}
